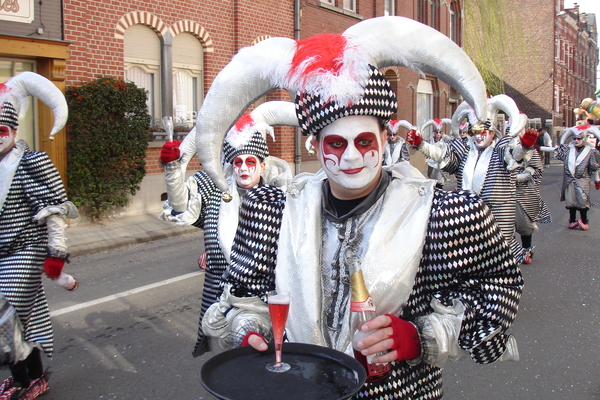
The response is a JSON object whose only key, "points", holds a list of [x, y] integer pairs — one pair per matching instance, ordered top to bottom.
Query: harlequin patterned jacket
{"points": [[495, 183], [32, 184], [201, 205], [431, 257]]}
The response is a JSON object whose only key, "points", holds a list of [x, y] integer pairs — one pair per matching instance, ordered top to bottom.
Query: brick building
{"points": [[174, 49], [556, 69]]}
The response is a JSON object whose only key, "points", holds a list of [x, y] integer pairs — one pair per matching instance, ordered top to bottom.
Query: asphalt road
{"points": [[128, 331]]}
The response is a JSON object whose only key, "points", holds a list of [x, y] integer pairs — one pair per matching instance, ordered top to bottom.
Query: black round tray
{"points": [[317, 373]]}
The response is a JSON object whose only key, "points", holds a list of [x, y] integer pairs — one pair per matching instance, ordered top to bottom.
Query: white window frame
{"points": [[350, 5]]}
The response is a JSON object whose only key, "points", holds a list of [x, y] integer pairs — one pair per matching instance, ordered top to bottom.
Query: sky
{"points": [[588, 7]]}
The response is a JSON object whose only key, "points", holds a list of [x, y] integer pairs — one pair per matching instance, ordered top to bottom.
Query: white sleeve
{"points": [[177, 190]]}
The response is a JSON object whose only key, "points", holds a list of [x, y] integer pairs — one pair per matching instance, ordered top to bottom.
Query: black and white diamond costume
{"points": [[197, 201], [434, 258]]}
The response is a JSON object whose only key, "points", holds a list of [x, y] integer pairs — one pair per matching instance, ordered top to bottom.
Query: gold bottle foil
{"points": [[360, 294]]}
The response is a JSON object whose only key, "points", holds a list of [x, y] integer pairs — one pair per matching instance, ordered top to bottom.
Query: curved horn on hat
{"points": [[383, 41], [399, 41], [250, 74], [29, 83], [505, 103], [464, 110], [276, 113], [433, 122], [404, 124], [584, 129], [567, 135]]}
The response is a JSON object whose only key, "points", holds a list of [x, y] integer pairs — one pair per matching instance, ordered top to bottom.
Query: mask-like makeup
{"points": [[7, 139], [484, 139], [350, 150], [247, 169]]}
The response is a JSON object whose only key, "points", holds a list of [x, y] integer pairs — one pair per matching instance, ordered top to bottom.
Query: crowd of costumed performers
{"points": [[441, 266]]}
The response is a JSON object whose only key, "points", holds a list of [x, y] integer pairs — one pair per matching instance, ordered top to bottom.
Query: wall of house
{"points": [[96, 29]]}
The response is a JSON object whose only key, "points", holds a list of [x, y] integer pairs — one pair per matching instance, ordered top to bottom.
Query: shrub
{"points": [[108, 137]]}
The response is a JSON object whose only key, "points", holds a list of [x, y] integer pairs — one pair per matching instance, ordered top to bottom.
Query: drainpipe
{"points": [[167, 75], [297, 135]]}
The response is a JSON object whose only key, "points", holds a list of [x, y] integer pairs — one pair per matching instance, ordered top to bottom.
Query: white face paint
{"points": [[8, 137], [484, 139], [592, 139], [350, 150], [247, 170]]}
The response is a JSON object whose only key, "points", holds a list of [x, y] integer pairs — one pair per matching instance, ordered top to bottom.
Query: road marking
{"points": [[122, 294]]}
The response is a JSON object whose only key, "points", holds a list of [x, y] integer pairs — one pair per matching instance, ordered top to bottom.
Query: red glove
{"points": [[413, 137], [529, 137], [170, 151], [597, 185], [53, 267], [406, 339], [245, 341]]}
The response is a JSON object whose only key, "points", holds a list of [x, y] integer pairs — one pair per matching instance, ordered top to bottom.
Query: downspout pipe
{"points": [[297, 135]]}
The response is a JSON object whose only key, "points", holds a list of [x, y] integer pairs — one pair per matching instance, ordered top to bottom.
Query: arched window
{"points": [[455, 22], [142, 63], [187, 77]]}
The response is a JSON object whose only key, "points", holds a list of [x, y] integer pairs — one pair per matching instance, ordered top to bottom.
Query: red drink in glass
{"points": [[279, 305]]}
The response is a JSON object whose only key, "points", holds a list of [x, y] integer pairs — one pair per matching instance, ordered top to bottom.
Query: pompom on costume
{"points": [[198, 201], [33, 212], [318, 247]]}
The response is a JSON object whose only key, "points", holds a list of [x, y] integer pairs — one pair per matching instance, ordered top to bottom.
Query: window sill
{"points": [[340, 10]]}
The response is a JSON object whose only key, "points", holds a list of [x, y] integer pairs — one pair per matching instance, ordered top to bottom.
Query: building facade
{"points": [[32, 39], [174, 49], [556, 66]]}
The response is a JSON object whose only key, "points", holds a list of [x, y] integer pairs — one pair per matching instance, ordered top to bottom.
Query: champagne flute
{"points": [[279, 305]]}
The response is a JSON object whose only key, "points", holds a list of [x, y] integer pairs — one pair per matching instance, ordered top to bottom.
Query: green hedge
{"points": [[108, 138]]}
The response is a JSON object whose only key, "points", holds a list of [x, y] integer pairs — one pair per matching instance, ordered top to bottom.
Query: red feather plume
{"points": [[318, 54]]}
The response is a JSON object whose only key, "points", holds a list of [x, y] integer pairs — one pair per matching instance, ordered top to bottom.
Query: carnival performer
{"points": [[463, 132], [439, 139], [396, 149], [488, 164], [580, 168], [197, 201], [34, 208], [531, 208], [441, 294]]}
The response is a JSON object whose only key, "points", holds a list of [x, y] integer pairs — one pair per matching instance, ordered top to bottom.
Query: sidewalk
{"points": [[116, 232]]}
